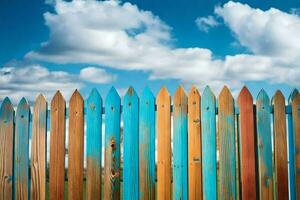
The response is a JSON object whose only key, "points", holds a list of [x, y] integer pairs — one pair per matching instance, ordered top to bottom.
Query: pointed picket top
{"points": [[208, 92], [130, 93], [147, 93], [194, 93], [225, 93], [94, 94], [245, 94], [113, 95], [162, 95], [292, 95], [76, 96], [263, 96], [278, 96], [58, 97], [180, 97], [40, 98], [131, 98], [93, 99], [296, 100], [23, 106], [6, 110]]}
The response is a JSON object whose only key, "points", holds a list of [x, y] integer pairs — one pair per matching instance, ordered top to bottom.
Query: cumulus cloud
{"points": [[205, 23], [122, 36], [96, 75]]}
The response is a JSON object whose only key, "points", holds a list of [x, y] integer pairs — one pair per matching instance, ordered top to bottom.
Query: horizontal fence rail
{"points": [[189, 146]]}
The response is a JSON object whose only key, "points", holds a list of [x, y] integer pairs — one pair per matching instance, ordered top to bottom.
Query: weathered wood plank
{"points": [[163, 119], [296, 127], [94, 145], [147, 145], [194, 145], [247, 145], [112, 146], [264, 146], [57, 147], [76, 147], [280, 147], [6, 149], [39, 149], [131, 149], [291, 149], [21, 151], [180, 156], [209, 157], [227, 162]]}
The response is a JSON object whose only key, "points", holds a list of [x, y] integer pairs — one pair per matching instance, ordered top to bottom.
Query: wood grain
{"points": [[163, 118], [296, 126], [94, 145], [147, 145], [194, 145], [247, 145], [112, 146], [264, 146], [57, 147], [280, 147], [75, 148], [6, 149], [39, 149], [21, 151], [180, 155], [227, 162]]}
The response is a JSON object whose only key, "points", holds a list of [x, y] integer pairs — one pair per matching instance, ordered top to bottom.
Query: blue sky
{"points": [[49, 45]]}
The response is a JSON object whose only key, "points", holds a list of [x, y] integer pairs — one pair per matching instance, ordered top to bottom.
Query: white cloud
{"points": [[205, 23], [121, 36], [96, 75]]}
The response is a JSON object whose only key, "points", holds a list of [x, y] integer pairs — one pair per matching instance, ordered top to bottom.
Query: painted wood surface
{"points": [[163, 118], [296, 127], [94, 145], [112, 145], [131, 145], [147, 145], [247, 145], [194, 146], [264, 146], [57, 147], [280, 147], [75, 148], [6, 149], [39, 149], [291, 149], [21, 151], [180, 155], [209, 157], [227, 162]]}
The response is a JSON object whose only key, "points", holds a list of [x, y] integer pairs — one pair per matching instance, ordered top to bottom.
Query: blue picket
{"points": [[130, 143], [94, 144], [112, 145], [147, 145], [264, 146], [291, 149], [21, 151], [209, 157]]}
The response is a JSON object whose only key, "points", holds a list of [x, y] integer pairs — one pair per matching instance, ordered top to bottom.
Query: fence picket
{"points": [[163, 118], [296, 127], [130, 144], [94, 145], [147, 145], [247, 145], [112, 146], [194, 146], [264, 146], [280, 146], [57, 147], [75, 148], [6, 149], [38, 149], [291, 149], [21, 151], [180, 156], [209, 157], [227, 162]]}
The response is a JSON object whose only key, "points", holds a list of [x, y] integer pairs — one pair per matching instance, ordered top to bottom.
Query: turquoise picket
{"points": [[130, 143], [94, 144], [112, 145], [147, 145], [264, 146], [291, 150], [21, 151], [180, 156], [209, 157]]}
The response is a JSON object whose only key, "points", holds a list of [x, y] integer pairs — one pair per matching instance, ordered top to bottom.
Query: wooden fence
{"points": [[247, 152]]}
